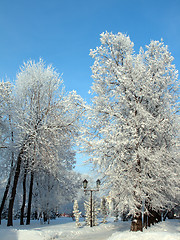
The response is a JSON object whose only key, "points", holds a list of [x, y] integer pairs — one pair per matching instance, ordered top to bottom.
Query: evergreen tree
{"points": [[87, 207], [103, 208], [115, 210], [87, 212], [77, 213], [94, 213]]}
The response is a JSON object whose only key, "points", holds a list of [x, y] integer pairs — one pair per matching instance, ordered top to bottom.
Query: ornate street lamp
{"points": [[98, 182], [85, 183]]}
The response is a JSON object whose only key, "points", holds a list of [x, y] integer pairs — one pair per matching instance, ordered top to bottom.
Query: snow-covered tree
{"points": [[4, 99], [6, 116], [47, 122], [131, 134], [7, 152], [51, 192], [103, 208], [115, 210], [87, 212], [91, 212], [76, 213], [95, 213]]}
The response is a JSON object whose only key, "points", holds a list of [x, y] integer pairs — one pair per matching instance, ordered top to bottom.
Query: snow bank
{"points": [[65, 229], [169, 230], [20, 235], [144, 236]]}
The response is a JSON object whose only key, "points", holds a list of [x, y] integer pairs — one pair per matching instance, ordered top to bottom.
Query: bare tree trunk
{"points": [[9, 180], [13, 191], [5, 194], [24, 198], [30, 199], [146, 214], [159, 216], [45, 217], [154, 217], [145, 220], [136, 224]]}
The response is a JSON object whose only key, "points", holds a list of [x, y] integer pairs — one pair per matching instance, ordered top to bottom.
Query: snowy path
{"points": [[61, 229], [65, 229], [70, 232], [101, 232]]}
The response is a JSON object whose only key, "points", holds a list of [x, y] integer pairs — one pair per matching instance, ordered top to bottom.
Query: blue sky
{"points": [[63, 31]]}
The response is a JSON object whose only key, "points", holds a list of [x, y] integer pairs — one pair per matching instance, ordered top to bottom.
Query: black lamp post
{"points": [[85, 183]]}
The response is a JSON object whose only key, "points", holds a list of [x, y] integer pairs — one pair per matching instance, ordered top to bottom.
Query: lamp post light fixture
{"points": [[98, 182], [85, 183]]}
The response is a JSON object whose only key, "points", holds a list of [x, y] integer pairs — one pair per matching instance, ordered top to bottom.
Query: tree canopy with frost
{"points": [[5, 105], [46, 122], [131, 134], [7, 151]]}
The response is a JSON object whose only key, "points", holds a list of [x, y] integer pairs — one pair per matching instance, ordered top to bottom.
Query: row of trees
{"points": [[39, 124], [132, 126], [130, 130]]}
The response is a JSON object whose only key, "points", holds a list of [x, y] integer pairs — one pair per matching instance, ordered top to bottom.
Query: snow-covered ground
{"points": [[65, 229]]}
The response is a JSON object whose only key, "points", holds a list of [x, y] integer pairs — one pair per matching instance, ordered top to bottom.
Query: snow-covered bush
{"points": [[104, 210], [76, 213], [88, 216]]}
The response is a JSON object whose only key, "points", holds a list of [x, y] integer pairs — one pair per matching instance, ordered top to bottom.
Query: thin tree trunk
{"points": [[9, 180], [13, 191], [5, 194], [24, 198], [30, 199], [146, 215], [155, 216], [159, 216], [145, 219], [151, 219], [136, 224]]}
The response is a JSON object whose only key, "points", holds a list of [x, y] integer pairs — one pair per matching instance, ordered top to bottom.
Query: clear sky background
{"points": [[62, 32]]}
